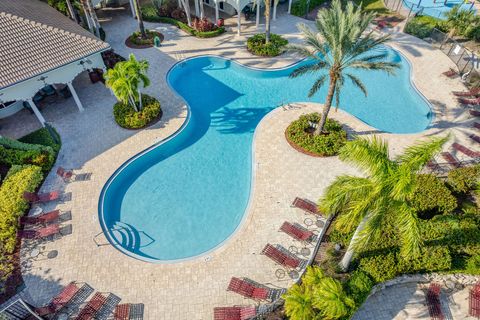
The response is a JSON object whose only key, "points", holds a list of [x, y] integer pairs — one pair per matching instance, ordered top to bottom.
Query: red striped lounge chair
{"points": [[451, 73], [470, 93], [469, 102], [474, 113], [475, 138], [465, 150], [451, 160], [433, 165], [65, 174], [41, 197], [306, 205], [43, 218], [45, 232], [296, 232], [281, 257], [247, 289], [60, 300], [474, 301], [433, 302], [89, 311], [129, 311], [234, 313]]}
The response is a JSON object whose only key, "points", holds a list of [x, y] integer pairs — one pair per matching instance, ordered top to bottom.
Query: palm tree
{"points": [[268, 9], [138, 12], [339, 45], [125, 80], [367, 202], [331, 300], [299, 303]]}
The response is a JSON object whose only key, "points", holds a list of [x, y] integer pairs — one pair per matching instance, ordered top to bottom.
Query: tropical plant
{"points": [[268, 17], [459, 20], [338, 45], [126, 79], [367, 202], [331, 300], [299, 303]]}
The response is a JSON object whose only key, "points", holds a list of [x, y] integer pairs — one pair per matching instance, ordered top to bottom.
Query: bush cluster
{"points": [[299, 7], [178, 18], [422, 26], [136, 38], [257, 45], [126, 116], [299, 134], [44, 138], [15, 152], [464, 179], [432, 196]]}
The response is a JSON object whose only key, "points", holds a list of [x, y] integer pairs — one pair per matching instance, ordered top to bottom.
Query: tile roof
{"points": [[35, 38]]}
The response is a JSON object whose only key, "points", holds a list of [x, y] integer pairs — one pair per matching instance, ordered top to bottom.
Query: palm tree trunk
{"points": [[186, 8], [71, 11], [202, 12], [267, 21], [143, 34], [140, 100], [132, 102], [328, 103], [347, 258]]}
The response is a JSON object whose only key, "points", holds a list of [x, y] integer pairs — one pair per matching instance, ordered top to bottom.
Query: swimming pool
{"points": [[436, 8], [187, 195]]}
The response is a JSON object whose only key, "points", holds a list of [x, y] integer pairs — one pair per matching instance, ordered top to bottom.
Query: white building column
{"points": [[289, 6], [132, 8], [197, 9], [275, 10], [217, 15], [257, 21], [239, 24], [75, 96], [36, 111]]}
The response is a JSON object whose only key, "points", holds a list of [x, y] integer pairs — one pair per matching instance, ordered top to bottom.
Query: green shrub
{"points": [[299, 7], [149, 13], [422, 26], [473, 31], [136, 38], [257, 46], [128, 118], [42, 137], [324, 144], [19, 157], [463, 180], [431, 194], [12, 203], [473, 264], [380, 267], [359, 286]]}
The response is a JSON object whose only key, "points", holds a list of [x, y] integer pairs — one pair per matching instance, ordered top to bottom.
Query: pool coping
{"points": [[246, 214]]}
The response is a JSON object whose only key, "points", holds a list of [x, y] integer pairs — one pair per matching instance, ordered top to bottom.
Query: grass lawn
{"points": [[373, 5]]}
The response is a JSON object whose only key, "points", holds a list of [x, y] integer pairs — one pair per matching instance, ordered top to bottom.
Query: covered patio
{"points": [[43, 52]]}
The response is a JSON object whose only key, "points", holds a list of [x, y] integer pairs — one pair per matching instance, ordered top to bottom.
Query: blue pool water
{"points": [[436, 8], [184, 197]]}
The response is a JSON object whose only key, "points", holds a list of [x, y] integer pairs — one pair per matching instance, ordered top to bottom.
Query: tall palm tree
{"points": [[268, 9], [138, 12], [337, 46], [126, 80], [365, 203], [331, 300]]}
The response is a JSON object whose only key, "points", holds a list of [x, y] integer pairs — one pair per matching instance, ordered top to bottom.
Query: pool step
{"points": [[126, 235]]}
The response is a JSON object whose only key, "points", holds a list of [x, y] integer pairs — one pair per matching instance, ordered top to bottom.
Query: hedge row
{"points": [[299, 7], [185, 27], [13, 152]]}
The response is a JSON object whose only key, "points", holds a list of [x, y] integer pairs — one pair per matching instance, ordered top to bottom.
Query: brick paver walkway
{"points": [[94, 144]]}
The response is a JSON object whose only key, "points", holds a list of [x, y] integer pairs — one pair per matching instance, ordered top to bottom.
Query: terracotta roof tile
{"points": [[35, 38]]}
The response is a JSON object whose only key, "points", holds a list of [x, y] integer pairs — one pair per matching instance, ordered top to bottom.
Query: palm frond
{"points": [[389, 67], [307, 68], [358, 83], [317, 85], [416, 156], [409, 231]]}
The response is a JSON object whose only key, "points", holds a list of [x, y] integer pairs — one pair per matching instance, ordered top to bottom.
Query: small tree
{"points": [[138, 12], [126, 79]]}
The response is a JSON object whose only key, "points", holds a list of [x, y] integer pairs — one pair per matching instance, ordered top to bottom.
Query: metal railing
{"points": [[409, 8], [466, 61]]}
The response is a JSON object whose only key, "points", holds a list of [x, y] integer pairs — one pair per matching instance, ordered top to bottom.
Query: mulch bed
{"points": [[130, 44], [151, 123]]}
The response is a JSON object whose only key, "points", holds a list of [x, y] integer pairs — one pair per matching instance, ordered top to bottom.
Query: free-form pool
{"points": [[437, 8], [185, 196]]}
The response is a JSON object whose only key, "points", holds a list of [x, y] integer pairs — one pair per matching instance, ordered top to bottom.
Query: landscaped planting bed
{"points": [[137, 42], [257, 46], [126, 116], [300, 135], [26, 166]]}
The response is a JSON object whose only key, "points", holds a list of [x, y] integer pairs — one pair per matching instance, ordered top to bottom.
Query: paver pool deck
{"points": [[95, 144]]}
